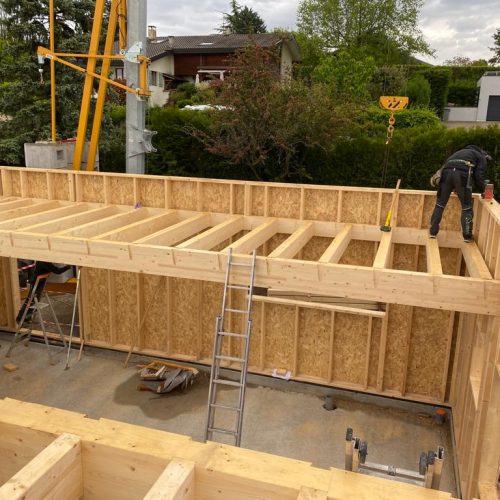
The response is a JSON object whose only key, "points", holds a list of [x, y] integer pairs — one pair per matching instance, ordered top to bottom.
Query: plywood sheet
{"points": [[15, 181], [37, 185], [60, 187], [90, 188], [121, 191], [151, 193], [184, 195], [215, 197], [238, 198], [257, 200], [284, 202], [320, 204], [360, 207], [409, 211], [451, 217], [272, 243], [314, 248], [359, 253], [405, 257], [449, 260], [95, 297], [211, 304], [125, 305], [155, 307], [185, 318], [398, 327], [279, 336], [314, 342], [349, 348], [428, 351], [374, 352]]}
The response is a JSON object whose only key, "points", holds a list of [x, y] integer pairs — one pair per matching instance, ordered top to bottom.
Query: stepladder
{"points": [[33, 307], [233, 328]]}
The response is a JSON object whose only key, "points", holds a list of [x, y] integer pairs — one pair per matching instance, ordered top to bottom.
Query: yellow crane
{"points": [[117, 18]]}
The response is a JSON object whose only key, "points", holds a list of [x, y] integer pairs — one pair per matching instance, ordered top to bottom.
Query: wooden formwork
{"points": [[403, 327], [51, 453]]}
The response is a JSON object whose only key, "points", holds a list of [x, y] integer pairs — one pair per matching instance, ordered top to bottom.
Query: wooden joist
{"points": [[338, 246], [433, 257], [175, 483]]}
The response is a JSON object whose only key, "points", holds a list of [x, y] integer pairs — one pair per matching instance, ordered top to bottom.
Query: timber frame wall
{"points": [[435, 338]]}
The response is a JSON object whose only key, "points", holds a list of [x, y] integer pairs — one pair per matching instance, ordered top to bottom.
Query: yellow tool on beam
{"points": [[387, 226]]}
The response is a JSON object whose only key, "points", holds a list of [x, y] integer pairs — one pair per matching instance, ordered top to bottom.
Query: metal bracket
{"points": [[133, 53], [142, 141]]}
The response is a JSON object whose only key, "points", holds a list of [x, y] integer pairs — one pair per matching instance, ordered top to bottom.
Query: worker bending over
{"points": [[458, 171], [40, 269]]}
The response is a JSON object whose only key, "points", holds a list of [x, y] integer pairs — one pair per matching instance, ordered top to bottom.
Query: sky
{"points": [[451, 27]]}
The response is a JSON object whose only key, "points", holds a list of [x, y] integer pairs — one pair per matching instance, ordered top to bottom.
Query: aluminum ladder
{"points": [[34, 305], [216, 380]]}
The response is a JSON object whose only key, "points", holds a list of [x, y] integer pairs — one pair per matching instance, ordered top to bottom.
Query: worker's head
{"points": [[486, 155]]}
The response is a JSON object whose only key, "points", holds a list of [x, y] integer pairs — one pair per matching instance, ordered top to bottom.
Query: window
{"points": [[119, 74], [153, 78]]}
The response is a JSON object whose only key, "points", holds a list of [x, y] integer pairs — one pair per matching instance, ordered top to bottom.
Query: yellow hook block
{"points": [[393, 103]]}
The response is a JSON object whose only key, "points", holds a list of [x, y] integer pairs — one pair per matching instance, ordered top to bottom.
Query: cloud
{"points": [[451, 27]]}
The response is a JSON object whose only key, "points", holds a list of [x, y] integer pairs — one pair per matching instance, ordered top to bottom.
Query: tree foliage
{"points": [[243, 20], [351, 24], [496, 47]]}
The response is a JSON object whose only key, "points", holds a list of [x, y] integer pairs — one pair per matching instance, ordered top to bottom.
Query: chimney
{"points": [[151, 33], [171, 41]]}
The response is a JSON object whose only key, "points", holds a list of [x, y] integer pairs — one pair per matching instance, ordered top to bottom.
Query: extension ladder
{"points": [[33, 302], [216, 380]]}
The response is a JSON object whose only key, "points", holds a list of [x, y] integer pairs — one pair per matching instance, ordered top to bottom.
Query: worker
{"points": [[458, 171], [39, 269]]}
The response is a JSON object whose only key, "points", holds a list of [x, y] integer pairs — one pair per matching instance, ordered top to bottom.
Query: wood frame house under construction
{"points": [[342, 304]]}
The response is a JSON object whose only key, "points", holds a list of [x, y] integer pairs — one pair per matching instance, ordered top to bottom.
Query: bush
{"points": [[388, 80], [439, 80], [418, 90], [463, 93], [182, 103], [416, 117]]}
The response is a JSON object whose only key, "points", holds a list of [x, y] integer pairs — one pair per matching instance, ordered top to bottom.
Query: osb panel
{"points": [[15, 183], [36, 185], [60, 187], [91, 188], [121, 191], [151, 193], [184, 195], [215, 197], [238, 198], [257, 200], [284, 202], [320, 204], [385, 205], [359, 207], [409, 210], [451, 217], [272, 243], [314, 248], [359, 253], [404, 257], [449, 260], [4, 272], [124, 286], [96, 303], [155, 308], [210, 308], [185, 317], [398, 327], [279, 336], [314, 342], [349, 348], [428, 351], [374, 352], [254, 358]]}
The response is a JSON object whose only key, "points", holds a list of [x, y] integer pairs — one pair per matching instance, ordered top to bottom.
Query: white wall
{"points": [[286, 62], [164, 65], [490, 85], [452, 114]]}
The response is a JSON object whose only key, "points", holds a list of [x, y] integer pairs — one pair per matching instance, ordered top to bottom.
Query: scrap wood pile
{"points": [[162, 377]]}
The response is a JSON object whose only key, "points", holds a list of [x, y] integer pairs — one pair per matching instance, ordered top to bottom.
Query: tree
{"points": [[243, 20], [351, 24], [496, 47], [265, 126]]}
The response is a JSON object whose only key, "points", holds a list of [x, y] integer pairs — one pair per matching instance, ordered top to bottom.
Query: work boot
{"points": [[432, 234], [468, 238]]}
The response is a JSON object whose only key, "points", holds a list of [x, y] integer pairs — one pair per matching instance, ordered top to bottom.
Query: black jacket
{"points": [[476, 157], [42, 267]]}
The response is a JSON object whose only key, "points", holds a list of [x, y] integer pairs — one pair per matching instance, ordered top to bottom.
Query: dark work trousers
{"points": [[453, 179], [39, 291]]}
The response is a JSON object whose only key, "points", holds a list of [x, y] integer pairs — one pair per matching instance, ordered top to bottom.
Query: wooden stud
{"points": [[255, 238], [294, 243], [338, 246], [383, 255], [433, 257], [474, 262], [368, 349], [382, 350], [295, 367], [175, 483]]}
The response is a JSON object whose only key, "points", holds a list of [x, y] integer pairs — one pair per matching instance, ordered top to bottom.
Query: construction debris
{"points": [[162, 377]]}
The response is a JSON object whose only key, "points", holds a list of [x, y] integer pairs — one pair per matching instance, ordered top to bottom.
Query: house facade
{"points": [[177, 59]]}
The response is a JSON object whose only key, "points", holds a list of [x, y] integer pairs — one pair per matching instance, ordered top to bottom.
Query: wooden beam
{"points": [[17, 203], [18, 217], [68, 219], [95, 228], [142, 228], [177, 232], [217, 234], [255, 238], [295, 242], [338, 246], [384, 251], [433, 257], [474, 261], [318, 305], [56, 473], [175, 483], [312, 494]]}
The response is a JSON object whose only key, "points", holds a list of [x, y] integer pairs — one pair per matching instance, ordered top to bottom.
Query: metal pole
{"points": [[136, 107]]}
